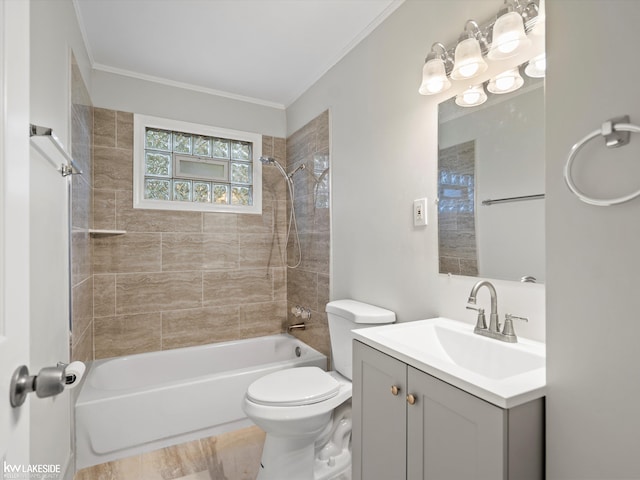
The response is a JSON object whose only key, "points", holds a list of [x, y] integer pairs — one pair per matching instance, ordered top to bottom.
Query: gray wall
{"points": [[384, 155], [593, 424]]}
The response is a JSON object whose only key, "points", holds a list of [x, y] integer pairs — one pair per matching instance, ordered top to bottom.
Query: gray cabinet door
{"points": [[379, 416], [452, 435]]}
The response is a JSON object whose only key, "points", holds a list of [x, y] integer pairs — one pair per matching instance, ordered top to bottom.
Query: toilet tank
{"points": [[345, 316]]}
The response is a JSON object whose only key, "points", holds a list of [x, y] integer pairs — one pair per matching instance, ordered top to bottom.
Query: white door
{"points": [[14, 225]]}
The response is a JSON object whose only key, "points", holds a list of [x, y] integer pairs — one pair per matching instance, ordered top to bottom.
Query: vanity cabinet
{"points": [[410, 425]]}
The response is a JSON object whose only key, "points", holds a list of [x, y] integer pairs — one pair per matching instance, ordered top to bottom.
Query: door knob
{"points": [[50, 381], [395, 390], [411, 399]]}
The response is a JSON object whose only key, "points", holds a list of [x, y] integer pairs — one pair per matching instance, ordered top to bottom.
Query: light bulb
{"points": [[508, 36], [509, 42], [468, 60], [537, 66], [468, 71], [434, 77], [506, 82], [435, 86], [471, 97]]}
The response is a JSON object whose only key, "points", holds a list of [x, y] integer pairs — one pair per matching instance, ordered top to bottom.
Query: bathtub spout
{"points": [[297, 326]]}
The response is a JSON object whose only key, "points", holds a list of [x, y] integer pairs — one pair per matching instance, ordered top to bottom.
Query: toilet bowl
{"points": [[305, 411]]}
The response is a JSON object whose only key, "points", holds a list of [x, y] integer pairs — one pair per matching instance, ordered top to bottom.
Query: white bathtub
{"points": [[134, 404]]}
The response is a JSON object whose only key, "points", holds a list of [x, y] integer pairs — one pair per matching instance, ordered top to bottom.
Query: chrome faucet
{"points": [[494, 323], [507, 334]]}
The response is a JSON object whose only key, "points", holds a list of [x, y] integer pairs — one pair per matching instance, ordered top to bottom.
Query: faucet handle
{"points": [[481, 323], [508, 324]]}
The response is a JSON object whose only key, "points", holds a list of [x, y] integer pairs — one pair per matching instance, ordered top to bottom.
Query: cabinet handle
{"points": [[395, 390], [411, 399]]}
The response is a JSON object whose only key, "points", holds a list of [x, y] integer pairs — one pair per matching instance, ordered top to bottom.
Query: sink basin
{"points": [[505, 374]]}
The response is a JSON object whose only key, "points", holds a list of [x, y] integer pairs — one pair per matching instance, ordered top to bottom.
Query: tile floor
{"points": [[232, 456]]}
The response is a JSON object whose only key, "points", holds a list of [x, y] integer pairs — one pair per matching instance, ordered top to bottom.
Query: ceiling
{"points": [[264, 51]]}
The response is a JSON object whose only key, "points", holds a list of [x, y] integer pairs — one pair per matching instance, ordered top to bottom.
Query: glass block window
{"points": [[181, 166]]}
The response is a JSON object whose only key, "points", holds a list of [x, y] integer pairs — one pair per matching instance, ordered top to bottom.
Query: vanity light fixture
{"points": [[468, 61], [537, 66], [434, 72], [506, 82], [472, 96]]}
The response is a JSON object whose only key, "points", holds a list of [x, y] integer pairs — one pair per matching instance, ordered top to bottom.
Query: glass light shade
{"points": [[508, 36], [468, 61], [537, 66], [434, 77], [506, 82], [471, 97]]}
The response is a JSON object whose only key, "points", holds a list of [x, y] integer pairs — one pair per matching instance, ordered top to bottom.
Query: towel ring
{"points": [[613, 139]]}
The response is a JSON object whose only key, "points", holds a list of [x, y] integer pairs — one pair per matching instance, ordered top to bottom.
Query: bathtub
{"points": [[135, 404]]}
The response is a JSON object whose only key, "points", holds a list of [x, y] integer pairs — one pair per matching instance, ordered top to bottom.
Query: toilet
{"points": [[305, 411]]}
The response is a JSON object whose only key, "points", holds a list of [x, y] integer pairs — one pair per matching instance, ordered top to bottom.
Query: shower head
{"points": [[268, 160]]}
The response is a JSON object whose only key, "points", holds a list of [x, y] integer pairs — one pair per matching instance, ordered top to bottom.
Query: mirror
{"points": [[491, 186]]}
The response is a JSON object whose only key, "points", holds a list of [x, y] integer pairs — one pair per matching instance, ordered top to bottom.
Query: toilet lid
{"points": [[293, 387]]}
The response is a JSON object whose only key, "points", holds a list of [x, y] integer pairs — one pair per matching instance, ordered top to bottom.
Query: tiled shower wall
{"points": [[177, 278], [185, 278], [308, 285]]}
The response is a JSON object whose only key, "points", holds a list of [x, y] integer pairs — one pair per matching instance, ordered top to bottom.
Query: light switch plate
{"points": [[420, 212]]}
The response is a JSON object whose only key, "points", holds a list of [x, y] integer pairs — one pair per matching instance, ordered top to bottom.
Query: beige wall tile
{"points": [[104, 127], [124, 130], [322, 131], [301, 143], [267, 146], [280, 150], [112, 168], [81, 200], [104, 209], [141, 220], [226, 223], [257, 223], [259, 250], [196, 251], [132, 252], [315, 252], [80, 256], [279, 276], [237, 287], [302, 288], [324, 291], [156, 292], [104, 295], [263, 319], [183, 328], [127, 335]]}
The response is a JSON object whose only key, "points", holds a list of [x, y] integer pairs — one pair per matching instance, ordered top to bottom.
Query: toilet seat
{"points": [[293, 387]]}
